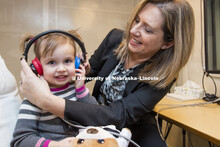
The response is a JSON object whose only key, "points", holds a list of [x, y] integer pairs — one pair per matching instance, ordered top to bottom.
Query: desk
{"points": [[203, 121]]}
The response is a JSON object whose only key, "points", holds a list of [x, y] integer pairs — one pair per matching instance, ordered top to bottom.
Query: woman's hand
{"points": [[85, 63], [87, 67], [32, 87], [37, 91], [63, 143]]}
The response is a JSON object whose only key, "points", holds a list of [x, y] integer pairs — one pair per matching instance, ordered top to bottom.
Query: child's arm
{"points": [[82, 93], [26, 133]]}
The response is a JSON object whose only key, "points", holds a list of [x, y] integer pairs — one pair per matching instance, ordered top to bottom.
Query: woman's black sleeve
{"points": [[120, 113]]}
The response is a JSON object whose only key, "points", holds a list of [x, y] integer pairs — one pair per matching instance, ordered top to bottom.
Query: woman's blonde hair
{"points": [[178, 27], [49, 42]]}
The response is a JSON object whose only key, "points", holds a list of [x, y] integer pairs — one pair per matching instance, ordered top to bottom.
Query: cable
{"points": [[203, 85], [178, 106], [74, 125], [168, 128], [113, 133], [119, 135], [189, 138]]}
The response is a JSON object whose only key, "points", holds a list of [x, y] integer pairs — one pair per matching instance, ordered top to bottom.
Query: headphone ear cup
{"points": [[77, 62], [36, 66]]}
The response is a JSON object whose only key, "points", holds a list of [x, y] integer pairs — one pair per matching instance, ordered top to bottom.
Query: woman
{"points": [[156, 43]]}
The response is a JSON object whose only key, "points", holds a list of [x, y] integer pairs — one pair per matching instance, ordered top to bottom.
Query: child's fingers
{"points": [[82, 68], [78, 71], [78, 75]]}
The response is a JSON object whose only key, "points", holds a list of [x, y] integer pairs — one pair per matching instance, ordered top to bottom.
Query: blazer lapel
{"points": [[108, 66], [105, 71], [132, 84]]}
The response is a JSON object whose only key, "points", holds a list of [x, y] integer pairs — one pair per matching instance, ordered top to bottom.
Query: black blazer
{"points": [[138, 99]]}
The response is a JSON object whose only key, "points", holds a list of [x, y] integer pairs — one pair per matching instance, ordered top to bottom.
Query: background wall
{"points": [[94, 19]]}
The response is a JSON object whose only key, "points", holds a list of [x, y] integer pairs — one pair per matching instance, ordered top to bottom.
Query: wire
{"points": [[203, 85], [179, 106], [74, 125], [168, 128], [113, 133], [119, 135], [189, 138]]}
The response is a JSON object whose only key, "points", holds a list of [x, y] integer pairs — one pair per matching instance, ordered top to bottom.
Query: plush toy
{"points": [[100, 137]]}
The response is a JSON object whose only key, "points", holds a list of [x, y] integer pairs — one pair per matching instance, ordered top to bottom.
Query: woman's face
{"points": [[146, 34], [59, 68]]}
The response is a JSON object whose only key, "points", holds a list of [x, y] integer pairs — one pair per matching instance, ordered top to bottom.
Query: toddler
{"points": [[56, 53]]}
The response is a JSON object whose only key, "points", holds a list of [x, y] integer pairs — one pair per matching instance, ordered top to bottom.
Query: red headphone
{"points": [[36, 65]]}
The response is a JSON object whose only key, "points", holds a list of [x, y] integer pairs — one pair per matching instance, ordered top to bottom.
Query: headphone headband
{"points": [[77, 40]]}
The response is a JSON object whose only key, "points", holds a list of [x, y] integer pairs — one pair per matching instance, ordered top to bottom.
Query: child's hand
{"points": [[80, 76], [62, 143]]}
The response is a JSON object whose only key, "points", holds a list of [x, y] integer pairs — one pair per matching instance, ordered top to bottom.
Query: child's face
{"points": [[59, 68]]}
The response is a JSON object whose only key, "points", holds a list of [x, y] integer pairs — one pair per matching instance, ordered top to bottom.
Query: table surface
{"points": [[203, 121]]}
